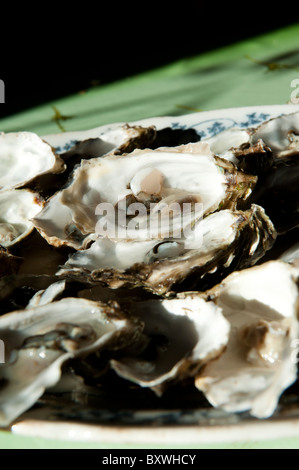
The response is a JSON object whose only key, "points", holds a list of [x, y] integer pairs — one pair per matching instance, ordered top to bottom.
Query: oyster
{"points": [[281, 134], [224, 143], [93, 144], [244, 149], [256, 149], [270, 151], [25, 156], [185, 174], [277, 192], [17, 207], [217, 244], [234, 335], [38, 341], [162, 356], [259, 363]]}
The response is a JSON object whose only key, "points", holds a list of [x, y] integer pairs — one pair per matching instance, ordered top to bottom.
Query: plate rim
{"points": [[273, 109], [257, 430]]}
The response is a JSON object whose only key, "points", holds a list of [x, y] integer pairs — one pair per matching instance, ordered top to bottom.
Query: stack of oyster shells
{"points": [[99, 260]]}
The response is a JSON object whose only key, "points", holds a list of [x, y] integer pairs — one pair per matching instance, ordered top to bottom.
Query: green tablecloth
{"points": [[259, 71]]}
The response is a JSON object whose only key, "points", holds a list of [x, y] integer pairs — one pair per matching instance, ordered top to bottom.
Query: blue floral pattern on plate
{"points": [[206, 123], [212, 127]]}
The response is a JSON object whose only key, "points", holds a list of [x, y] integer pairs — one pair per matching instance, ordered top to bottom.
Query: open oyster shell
{"points": [[281, 134], [71, 149], [257, 149], [270, 151], [25, 156], [185, 174], [17, 207], [222, 241], [179, 336], [38, 341], [260, 361]]}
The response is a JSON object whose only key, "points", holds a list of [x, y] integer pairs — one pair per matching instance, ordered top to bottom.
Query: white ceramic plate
{"points": [[207, 124], [163, 427]]}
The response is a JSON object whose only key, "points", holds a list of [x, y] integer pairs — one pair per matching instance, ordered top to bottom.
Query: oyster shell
{"points": [[281, 134], [224, 142], [93, 144], [244, 148], [257, 149], [270, 151], [24, 156], [188, 173], [17, 207], [218, 243], [45, 296], [234, 339], [38, 341], [162, 356], [259, 363]]}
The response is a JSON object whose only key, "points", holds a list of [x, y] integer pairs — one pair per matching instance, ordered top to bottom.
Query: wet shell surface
{"points": [[39, 340]]}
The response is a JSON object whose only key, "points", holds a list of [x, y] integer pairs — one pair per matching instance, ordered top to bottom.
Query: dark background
{"points": [[54, 50]]}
